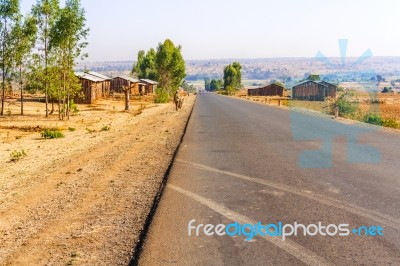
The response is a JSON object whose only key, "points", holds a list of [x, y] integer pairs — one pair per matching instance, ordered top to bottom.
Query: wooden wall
{"points": [[118, 83], [106, 88], [149, 88], [270, 90], [91, 91], [313, 91]]}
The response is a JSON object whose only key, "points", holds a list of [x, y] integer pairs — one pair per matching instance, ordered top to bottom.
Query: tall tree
{"points": [[9, 13], [46, 13], [24, 37], [68, 37], [170, 66], [138, 67], [145, 68], [232, 76], [238, 78]]}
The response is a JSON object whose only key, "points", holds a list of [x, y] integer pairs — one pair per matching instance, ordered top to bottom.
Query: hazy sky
{"points": [[215, 29]]}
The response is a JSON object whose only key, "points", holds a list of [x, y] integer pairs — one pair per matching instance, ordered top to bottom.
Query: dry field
{"points": [[386, 105], [82, 199]]}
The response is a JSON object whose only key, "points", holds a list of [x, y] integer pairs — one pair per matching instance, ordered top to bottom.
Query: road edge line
{"points": [[137, 250]]}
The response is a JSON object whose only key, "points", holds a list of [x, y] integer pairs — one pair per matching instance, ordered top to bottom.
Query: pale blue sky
{"points": [[215, 29]]}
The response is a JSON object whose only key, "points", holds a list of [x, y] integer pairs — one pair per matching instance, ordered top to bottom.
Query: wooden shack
{"points": [[106, 85], [136, 86], [150, 86], [92, 88], [269, 90], [314, 90]]}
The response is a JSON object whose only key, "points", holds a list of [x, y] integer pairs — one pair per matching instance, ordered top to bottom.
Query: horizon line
{"points": [[244, 58]]}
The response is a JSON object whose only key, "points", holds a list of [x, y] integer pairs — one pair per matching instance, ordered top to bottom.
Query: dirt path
{"points": [[85, 204]]}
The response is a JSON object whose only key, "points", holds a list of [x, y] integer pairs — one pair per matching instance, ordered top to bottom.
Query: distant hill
{"points": [[284, 69]]}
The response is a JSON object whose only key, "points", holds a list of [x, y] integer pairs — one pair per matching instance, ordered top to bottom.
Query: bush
{"points": [[230, 90], [386, 90], [162, 96], [73, 107], [346, 108], [373, 119], [392, 123], [106, 128], [71, 129], [51, 134], [17, 155]]}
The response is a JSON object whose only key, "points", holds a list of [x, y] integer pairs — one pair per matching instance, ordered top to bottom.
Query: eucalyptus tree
{"points": [[9, 13], [46, 13], [68, 37], [24, 38], [170, 66], [145, 68], [37, 75], [232, 77]]}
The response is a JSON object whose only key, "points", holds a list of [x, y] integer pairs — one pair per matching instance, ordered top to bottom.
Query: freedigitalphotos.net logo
{"points": [[325, 130], [249, 231]]}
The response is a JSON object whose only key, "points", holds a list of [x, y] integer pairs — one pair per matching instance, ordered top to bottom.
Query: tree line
{"points": [[39, 51], [165, 65], [231, 82], [213, 84]]}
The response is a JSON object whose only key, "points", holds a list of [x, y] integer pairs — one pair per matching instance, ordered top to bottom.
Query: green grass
{"points": [[51, 134], [16, 155]]}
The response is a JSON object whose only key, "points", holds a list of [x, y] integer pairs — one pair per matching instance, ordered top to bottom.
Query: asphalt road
{"points": [[246, 162]]}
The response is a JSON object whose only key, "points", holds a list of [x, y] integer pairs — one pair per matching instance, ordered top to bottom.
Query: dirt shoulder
{"points": [[83, 199]]}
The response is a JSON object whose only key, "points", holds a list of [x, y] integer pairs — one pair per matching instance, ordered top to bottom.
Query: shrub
{"points": [[230, 90], [386, 90], [162, 96], [73, 107], [346, 108], [373, 119], [392, 123], [106, 128], [71, 129], [51, 134], [16, 155]]}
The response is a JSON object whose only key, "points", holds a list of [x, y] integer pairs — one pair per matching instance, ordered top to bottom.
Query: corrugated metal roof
{"points": [[99, 75], [87, 76], [129, 79], [149, 81], [305, 81], [320, 82], [325, 82]]}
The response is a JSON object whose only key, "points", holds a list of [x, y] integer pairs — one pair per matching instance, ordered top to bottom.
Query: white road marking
{"points": [[370, 214], [298, 251]]}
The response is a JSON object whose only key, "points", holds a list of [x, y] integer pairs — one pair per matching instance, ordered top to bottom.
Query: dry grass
{"points": [[312, 105], [387, 106], [107, 111]]}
